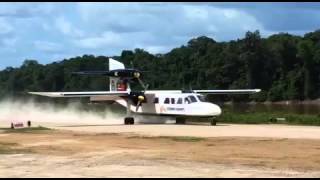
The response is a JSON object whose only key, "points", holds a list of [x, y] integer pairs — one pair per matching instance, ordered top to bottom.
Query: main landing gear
{"points": [[128, 120], [180, 120]]}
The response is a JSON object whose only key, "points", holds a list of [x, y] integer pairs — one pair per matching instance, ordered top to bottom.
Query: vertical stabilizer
{"points": [[113, 64], [116, 84]]}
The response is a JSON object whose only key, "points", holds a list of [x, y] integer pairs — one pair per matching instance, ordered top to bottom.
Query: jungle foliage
{"points": [[284, 66]]}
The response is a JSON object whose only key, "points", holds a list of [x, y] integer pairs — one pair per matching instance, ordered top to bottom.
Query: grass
{"points": [[265, 118], [26, 130], [173, 138], [187, 138], [11, 148]]}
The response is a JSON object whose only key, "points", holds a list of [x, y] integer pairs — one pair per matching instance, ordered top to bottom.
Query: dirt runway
{"points": [[204, 130], [161, 150]]}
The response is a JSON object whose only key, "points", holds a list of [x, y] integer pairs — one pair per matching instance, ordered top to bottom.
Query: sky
{"points": [[54, 31]]}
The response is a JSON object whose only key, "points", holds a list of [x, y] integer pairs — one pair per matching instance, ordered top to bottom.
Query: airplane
{"points": [[180, 104]]}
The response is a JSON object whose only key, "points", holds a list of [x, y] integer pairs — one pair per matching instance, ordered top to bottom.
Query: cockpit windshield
{"points": [[201, 98], [192, 99]]}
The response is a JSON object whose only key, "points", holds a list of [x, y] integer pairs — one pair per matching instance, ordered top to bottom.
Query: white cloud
{"points": [[25, 10], [196, 12], [231, 13], [166, 21], [46, 26], [5, 27], [67, 28], [104, 28], [105, 40], [9, 42], [46, 46]]}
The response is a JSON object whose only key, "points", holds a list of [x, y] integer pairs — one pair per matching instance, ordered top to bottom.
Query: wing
{"points": [[163, 91], [232, 91], [82, 94]]}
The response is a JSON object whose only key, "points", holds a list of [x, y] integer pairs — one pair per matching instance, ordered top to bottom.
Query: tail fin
{"points": [[113, 64], [116, 84]]}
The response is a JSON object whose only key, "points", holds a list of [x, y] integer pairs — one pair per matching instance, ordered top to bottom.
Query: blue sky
{"points": [[50, 32]]}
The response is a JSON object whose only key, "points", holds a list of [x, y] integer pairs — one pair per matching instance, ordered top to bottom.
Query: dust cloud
{"points": [[71, 113]]}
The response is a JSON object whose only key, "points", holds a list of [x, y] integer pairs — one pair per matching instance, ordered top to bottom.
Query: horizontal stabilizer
{"points": [[92, 73]]}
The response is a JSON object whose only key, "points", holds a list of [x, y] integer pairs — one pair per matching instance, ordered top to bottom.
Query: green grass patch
{"points": [[266, 118], [38, 129], [173, 138], [187, 139], [11, 148]]}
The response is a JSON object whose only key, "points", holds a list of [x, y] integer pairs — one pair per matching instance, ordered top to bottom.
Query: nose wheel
{"points": [[128, 120], [213, 122]]}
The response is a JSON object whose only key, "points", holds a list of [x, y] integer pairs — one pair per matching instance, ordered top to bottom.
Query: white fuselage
{"points": [[185, 104]]}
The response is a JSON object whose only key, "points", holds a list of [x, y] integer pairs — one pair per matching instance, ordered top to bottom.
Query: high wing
{"points": [[163, 91], [232, 91], [126, 93], [82, 94]]}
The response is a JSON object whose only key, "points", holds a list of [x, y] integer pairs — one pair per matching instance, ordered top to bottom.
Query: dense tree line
{"points": [[284, 66]]}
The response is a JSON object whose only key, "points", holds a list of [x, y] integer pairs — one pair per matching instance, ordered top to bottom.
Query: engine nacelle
{"points": [[136, 97]]}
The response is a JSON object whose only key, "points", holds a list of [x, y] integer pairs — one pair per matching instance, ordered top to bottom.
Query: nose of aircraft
{"points": [[215, 110]]}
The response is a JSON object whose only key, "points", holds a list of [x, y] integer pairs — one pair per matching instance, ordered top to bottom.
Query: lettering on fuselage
{"points": [[164, 109], [175, 109]]}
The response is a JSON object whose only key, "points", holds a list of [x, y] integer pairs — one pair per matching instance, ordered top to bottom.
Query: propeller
{"points": [[137, 76]]}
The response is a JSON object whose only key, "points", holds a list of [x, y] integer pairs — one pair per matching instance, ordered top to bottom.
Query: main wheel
{"points": [[129, 120], [180, 120], [132, 121]]}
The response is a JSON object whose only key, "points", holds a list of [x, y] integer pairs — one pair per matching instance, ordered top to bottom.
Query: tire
{"points": [[128, 120], [180, 121], [213, 122]]}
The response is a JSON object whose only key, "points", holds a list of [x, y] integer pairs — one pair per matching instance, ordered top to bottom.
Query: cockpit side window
{"points": [[201, 98], [193, 99], [186, 100]]}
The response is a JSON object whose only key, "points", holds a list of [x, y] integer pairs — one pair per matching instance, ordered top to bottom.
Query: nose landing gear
{"points": [[213, 122]]}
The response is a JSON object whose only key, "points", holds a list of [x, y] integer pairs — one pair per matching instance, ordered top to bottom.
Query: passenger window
{"points": [[193, 99], [156, 100], [167, 101], [172, 101], [179, 101], [186, 101]]}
